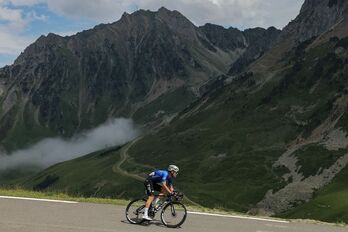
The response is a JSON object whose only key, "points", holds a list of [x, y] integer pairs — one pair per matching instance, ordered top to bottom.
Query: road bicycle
{"points": [[173, 212]]}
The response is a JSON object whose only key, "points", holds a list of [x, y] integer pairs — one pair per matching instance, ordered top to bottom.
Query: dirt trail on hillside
{"points": [[124, 156], [117, 168], [301, 189]]}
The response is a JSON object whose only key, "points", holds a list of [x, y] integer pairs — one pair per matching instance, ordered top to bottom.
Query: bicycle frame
{"points": [[156, 209]]}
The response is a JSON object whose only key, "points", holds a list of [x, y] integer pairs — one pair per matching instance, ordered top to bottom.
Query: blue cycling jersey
{"points": [[161, 176]]}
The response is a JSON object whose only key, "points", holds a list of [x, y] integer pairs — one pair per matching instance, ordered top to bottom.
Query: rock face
{"points": [[315, 18], [318, 19], [252, 43], [256, 49], [59, 85]]}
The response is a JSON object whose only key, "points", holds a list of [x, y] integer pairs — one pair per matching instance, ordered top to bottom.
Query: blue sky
{"points": [[23, 21], [18, 32]]}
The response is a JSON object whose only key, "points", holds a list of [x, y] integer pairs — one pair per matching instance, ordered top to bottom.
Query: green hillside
{"points": [[230, 140], [88, 176]]}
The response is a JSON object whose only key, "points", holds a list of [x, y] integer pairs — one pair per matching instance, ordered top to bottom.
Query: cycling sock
{"points": [[146, 210]]}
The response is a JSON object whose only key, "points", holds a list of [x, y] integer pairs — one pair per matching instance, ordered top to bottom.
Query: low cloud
{"points": [[55, 150]]}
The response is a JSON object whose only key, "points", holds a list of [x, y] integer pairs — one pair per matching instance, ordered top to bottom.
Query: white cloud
{"points": [[22, 2], [99, 10], [242, 13], [32, 16], [12, 18], [13, 22], [66, 33], [11, 43], [51, 151]]}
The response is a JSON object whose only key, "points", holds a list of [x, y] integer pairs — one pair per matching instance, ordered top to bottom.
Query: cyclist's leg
{"points": [[159, 189], [150, 193]]}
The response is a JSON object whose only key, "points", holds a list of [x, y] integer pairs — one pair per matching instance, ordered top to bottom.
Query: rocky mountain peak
{"points": [[164, 10], [162, 13], [165, 13], [315, 18], [172, 20], [177, 23]]}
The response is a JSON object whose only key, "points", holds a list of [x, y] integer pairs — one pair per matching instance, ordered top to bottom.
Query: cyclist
{"points": [[161, 181]]}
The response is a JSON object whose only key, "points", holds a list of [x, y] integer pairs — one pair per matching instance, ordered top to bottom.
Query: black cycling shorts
{"points": [[151, 187]]}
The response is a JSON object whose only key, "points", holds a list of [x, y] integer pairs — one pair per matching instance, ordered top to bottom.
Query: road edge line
{"points": [[37, 199], [238, 217]]}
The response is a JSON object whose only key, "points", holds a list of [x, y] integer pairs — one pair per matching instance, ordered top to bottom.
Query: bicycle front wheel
{"points": [[135, 211], [173, 214]]}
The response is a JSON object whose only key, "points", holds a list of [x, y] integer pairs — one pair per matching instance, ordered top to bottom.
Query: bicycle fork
{"points": [[172, 209]]}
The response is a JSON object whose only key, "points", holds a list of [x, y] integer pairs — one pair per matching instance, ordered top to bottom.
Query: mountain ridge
{"points": [[310, 22], [125, 68]]}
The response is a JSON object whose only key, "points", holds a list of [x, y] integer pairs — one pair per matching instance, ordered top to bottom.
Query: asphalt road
{"points": [[36, 216]]}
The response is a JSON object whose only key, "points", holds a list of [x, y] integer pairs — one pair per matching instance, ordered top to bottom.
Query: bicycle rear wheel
{"points": [[135, 211], [173, 214]]}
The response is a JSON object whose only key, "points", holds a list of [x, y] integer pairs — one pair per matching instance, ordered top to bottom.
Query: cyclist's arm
{"points": [[170, 184], [168, 189]]}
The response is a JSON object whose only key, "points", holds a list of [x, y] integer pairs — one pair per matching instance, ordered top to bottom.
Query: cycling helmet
{"points": [[173, 168]]}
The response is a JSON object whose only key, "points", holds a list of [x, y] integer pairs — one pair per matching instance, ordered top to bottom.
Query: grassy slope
{"points": [[169, 103], [229, 146], [210, 149], [227, 149], [313, 156], [87, 176], [17, 192], [331, 203]]}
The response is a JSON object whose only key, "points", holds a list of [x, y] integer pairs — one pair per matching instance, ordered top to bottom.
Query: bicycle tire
{"points": [[139, 205], [171, 206]]}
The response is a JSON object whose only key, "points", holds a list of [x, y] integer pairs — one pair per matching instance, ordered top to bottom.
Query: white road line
{"points": [[35, 199], [239, 217]]}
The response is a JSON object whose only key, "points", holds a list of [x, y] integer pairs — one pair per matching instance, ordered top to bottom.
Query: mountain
{"points": [[316, 18], [319, 20], [256, 42], [139, 67], [272, 140]]}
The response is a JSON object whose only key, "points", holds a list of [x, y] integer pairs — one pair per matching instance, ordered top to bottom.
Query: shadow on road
{"points": [[147, 223]]}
